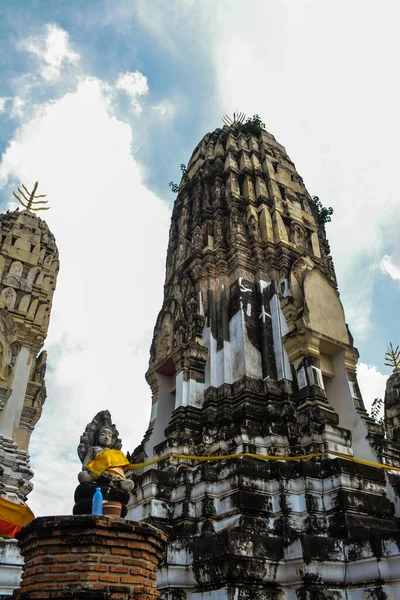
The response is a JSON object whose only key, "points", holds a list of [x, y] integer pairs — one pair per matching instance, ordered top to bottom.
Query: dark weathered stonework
{"points": [[251, 354]]}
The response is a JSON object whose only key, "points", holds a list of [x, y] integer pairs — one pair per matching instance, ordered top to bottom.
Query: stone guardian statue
{"points": [[104, 465]]}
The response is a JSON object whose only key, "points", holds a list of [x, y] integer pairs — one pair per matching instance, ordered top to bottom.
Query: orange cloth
{"points": [[107, 461], [13, 517]]}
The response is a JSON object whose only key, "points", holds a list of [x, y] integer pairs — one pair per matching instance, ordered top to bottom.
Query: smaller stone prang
{"points": [[392, 406], [104, 465]]}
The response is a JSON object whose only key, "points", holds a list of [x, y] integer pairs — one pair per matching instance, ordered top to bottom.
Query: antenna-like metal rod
{"points": [[32, 198]]}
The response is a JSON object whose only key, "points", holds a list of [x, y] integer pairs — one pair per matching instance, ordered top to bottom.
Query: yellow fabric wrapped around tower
{"points": [[111, 460]]}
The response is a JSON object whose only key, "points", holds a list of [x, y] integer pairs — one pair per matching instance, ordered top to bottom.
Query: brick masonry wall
{"points": [[88, 556]]}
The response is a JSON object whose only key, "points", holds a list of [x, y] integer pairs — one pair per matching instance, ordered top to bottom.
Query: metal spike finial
{"points": [[238, 117], [31, 199], [392, 356]]}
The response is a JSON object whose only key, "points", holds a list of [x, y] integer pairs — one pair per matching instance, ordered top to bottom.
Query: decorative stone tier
{"points": [[89, 556]]}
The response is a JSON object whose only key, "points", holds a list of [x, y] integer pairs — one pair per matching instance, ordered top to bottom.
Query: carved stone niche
{"points": [[253, 227], [237, 229], [218, 230], [298, 236], [197, 239], [183, 252], [14, 275], [8, 297], [163, 339], [9, 346]]}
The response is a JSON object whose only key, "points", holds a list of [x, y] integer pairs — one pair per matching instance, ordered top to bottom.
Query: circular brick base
{"points": [[87, 557]]}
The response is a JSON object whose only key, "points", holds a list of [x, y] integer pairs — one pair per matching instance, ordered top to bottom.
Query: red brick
{"points": [[120, 551], [66, 558], [92, 558], [110, 559], [44, 560], [56, 569], [123, 570], [89, 577], [62, 578], [109, 578], [138, 580]]}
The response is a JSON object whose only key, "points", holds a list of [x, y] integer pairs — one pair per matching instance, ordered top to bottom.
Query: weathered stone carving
{"points": [[253, 227], [298, 236], [197, 239], [13, 277], [8, 297], [9, 347], [251, 354], [100, 452], [103, 463]]}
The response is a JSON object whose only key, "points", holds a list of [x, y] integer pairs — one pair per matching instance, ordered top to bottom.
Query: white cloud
{"points": [[168, 22], [53, 50], [134, 85], [3, 102], [14, 106], [18, 106], [166, 109], [111, 233], [388, 267], [372, 383]]}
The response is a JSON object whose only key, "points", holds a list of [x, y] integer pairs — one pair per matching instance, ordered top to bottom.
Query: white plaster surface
{"points": [[200, 301], [279, 329], [236, 335], [237, 358], [246, 359], [224, 365], [315, 376], [301, 378], [188, 393], [340, 397], [166, 404], [13, 408], [153, 413], [11, 563], [213, 595]]}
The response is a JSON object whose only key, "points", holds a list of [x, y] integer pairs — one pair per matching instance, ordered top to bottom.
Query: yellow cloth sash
{"points": [[107, 461], [13, 517]]}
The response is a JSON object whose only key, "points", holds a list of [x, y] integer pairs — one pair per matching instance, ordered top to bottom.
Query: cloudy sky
{"points": [[102, 100]]}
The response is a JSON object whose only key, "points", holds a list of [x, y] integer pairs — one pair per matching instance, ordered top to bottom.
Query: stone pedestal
{"points": [[84, 496], [89, 556]]}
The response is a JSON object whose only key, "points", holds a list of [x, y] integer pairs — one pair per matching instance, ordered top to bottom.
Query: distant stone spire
{"points": [[28, 272]]}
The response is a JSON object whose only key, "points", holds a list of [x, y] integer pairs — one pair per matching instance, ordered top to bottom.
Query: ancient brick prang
{"points": [[251, 354], [86, 557]]}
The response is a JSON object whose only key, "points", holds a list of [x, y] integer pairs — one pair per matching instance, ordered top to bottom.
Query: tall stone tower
{"points": [[28, 272], [252, 355]]}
